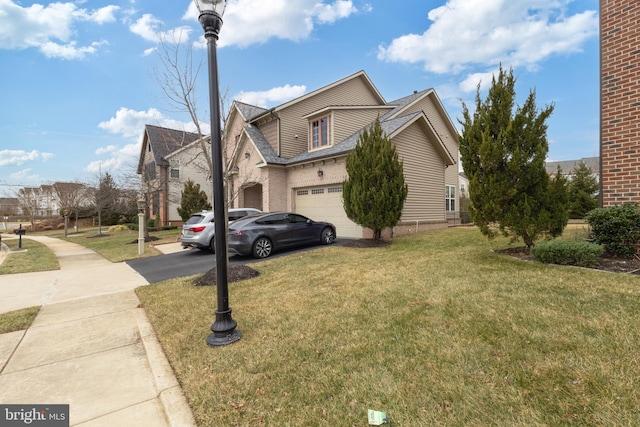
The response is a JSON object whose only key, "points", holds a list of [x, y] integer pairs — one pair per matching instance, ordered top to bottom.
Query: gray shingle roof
{"points": [[401, 103], [249, 111], [165, 141], [263, 146]]}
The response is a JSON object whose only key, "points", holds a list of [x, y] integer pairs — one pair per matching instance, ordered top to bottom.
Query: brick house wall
{"points": [[620, 101]]}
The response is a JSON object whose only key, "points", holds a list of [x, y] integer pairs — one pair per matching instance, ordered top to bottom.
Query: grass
{"points": [[121, 245], [36, 257], [17, 320], [434, 330]]}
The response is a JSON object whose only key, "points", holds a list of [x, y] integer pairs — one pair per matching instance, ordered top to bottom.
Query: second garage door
{"points": [[325, 204]]}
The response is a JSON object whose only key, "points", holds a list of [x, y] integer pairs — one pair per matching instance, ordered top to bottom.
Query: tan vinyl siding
{"points": [[347, 122], [439, 123], [441, 126], [295, 129], [270, 131], [424, 174]]}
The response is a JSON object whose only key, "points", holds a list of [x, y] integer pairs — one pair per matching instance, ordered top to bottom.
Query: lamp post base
{"points": [[224, 330], [218, 339]]}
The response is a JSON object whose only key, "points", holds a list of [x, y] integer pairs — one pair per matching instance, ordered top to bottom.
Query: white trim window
{"points": [[320, 130], [175, 169], [450, 198]]}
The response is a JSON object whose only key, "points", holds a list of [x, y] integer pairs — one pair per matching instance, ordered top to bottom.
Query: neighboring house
{"points": [[619, 101], [292, 157], [168, 158], [567, 167], [463, 184], [10, 206]]}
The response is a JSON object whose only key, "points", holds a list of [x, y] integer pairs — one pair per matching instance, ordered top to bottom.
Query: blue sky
{"points": [[77, 85]]}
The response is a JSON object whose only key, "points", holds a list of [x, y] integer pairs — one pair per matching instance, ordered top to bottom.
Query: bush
{"points": [[117, 228], [617, 228], [567, 252]]}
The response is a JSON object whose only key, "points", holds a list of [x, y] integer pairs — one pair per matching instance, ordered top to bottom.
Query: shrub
{"points": [[117, 228], [617, 228], [567, 252]]}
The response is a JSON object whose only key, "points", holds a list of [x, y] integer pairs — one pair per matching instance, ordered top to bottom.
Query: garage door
{"points": [[325, 204]]}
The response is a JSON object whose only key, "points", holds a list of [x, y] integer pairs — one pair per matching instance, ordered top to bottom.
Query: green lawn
{"points": [[121, 245], [34, 257], [434, 330]]}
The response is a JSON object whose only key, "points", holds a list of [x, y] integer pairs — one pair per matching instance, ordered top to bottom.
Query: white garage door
{"points": [[325, 204]]}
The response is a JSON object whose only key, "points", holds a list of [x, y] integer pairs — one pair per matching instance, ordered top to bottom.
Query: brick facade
{"points": [[620, 101]]}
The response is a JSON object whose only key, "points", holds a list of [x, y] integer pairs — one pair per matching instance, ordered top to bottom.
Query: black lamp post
{"points": [[224, 328]]}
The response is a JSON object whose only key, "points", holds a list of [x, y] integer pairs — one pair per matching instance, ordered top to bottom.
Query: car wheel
{"points": [[328, 236], [212, 245], [262, 248]]}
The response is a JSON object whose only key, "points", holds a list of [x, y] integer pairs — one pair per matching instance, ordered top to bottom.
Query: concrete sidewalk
{"points": [[91, 346]]}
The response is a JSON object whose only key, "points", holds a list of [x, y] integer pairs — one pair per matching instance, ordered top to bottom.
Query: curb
{"points": [[172, 398]]}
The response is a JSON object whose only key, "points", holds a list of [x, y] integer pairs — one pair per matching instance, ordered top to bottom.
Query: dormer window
{"points": [[320, 129]]}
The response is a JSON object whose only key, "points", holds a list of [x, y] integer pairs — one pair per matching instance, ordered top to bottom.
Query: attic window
{"points": [[319, 131]]}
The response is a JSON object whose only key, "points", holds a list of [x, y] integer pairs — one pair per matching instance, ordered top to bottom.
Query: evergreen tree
{"points": [[503, 150], [583, 190], [375, 191], [108, 200], [193, 200]]}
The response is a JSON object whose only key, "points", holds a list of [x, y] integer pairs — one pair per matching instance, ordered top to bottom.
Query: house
{"points": [[619, 102], [292, 157], [168, 158], [567, 167], [10, 206]]}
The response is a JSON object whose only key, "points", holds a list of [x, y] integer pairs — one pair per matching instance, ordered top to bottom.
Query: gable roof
{"points": [[359, 75], [248, 111], [163, 141]]}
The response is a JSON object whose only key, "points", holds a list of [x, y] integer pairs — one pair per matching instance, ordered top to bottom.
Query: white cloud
{"points": [[329, 13], [249, 22], [51, 28], [150, 28], [518, 33], [470, 83], [276, 95], [130, 123], [106, 150], [20, 157], [118, 158], [24, 175]]}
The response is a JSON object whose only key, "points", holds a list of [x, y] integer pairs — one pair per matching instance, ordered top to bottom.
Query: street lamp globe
{"points": [[215, 6], [210, 18]]}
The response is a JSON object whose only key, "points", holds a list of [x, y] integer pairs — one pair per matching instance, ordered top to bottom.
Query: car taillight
{"points": [[198, 229]]}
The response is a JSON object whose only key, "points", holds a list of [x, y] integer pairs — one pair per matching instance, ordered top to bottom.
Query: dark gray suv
{"points": [[198, 231]]}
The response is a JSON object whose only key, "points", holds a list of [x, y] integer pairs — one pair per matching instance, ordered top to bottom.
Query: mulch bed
{"points": [[614, 265], [235, 273]]}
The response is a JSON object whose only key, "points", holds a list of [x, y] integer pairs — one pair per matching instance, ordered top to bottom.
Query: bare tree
{"points": [[178, 81], [71, 196], [30, 199]]}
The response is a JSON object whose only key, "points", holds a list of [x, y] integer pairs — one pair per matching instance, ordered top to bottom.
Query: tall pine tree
{"points": [[503, 150], [375, 191]]}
